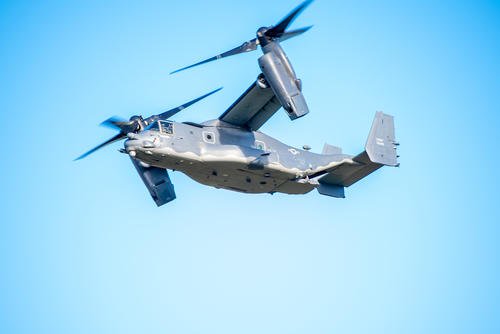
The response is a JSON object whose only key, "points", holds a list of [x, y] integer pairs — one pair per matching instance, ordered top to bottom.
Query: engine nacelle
{"points": [[284, 85]]}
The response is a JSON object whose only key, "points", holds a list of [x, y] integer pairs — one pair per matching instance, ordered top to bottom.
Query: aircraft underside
{"points": [[235, 176], [247, 181]]}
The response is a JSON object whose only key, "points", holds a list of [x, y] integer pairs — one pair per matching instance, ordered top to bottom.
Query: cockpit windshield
{"points": [[153, 126], [165, 127]]}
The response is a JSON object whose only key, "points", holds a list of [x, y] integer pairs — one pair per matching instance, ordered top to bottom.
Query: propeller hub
{"points": [[262, 31], [262, 37], [136, 124]]}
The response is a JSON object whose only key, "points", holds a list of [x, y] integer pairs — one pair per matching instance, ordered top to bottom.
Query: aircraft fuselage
{"points": [[221, 155]]}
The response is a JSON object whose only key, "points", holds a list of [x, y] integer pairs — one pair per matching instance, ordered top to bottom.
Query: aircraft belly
{"points": [[248, 175], [234, 176], [239, 178]]}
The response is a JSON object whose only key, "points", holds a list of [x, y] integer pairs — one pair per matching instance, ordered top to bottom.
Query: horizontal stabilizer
{"points": [[157, 181], [331, 190]]}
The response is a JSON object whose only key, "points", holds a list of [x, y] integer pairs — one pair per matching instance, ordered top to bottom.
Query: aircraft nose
{"points": [[137, 142], [131, 146]]}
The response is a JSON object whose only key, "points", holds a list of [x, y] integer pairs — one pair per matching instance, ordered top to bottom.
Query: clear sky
{"points": [[83, 248]]}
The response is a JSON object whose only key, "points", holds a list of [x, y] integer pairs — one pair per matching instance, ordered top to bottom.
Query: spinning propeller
{"points": [[264, 35], [137, 123]]}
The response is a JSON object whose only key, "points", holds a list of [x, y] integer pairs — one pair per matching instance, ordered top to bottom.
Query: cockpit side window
{"points": [[166, 127]]}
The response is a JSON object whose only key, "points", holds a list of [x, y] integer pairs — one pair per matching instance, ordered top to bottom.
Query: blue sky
{"points": [[410, 250]]}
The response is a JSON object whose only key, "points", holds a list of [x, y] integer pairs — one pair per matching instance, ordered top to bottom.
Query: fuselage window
{"points": [[166, 127]]}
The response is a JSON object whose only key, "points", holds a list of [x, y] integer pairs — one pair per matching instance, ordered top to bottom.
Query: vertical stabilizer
{"points": [[381, 144], [380, 150]]}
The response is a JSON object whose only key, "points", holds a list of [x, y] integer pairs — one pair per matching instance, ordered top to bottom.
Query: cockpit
{"points": [[164, 127]]}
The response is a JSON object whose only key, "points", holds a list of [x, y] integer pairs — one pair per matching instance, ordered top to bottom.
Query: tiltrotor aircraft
{"points": [[230, 153]]}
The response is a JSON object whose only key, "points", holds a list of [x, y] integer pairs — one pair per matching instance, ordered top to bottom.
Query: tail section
{"points": [[381, 143], [380, 150]]}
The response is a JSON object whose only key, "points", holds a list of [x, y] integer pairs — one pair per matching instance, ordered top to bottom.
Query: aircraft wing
{"points": [[252, 109]]}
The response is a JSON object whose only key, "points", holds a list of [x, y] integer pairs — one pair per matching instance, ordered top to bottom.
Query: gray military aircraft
{"points": [[231, 153]]}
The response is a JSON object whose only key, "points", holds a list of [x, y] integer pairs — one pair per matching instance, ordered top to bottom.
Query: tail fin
{"points": [[381, 143], [380, 150]]}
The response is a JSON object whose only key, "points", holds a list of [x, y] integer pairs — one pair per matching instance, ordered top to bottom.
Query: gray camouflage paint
{"points": [[224, 156]]}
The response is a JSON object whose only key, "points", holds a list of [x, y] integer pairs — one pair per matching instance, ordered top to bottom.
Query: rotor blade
{"points": [[280, 28], [293, 33], [245, 47], [169, 113], [115, 123], [119, 136]]}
